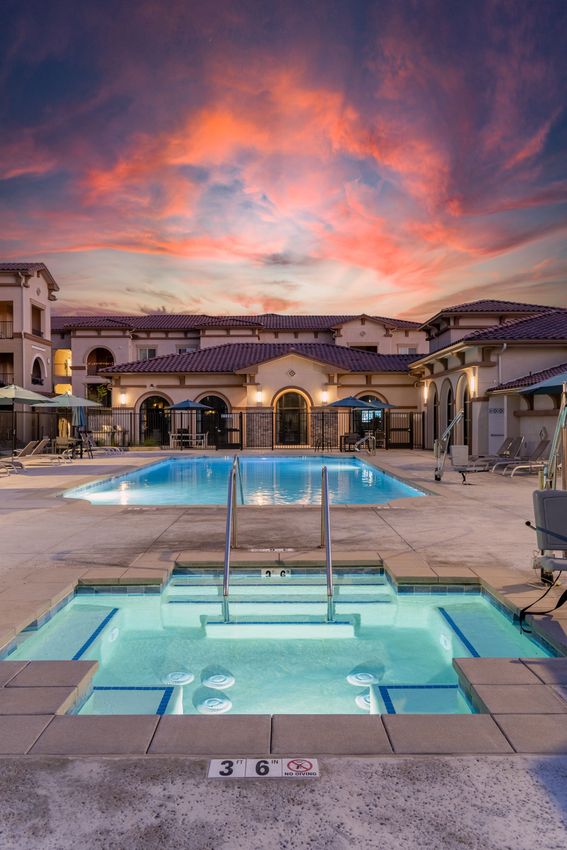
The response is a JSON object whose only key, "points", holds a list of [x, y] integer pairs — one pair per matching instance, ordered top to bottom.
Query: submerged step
{"points": [[278, 630]]}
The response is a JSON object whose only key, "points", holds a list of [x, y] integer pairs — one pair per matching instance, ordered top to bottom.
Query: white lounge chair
{"points": [[509, 450], [533, 463]]}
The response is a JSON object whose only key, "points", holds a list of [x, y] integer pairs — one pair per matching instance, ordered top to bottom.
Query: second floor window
{"points": [[407, 349], [147, 353]]}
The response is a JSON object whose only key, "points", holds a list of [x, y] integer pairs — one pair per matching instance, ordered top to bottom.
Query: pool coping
{"points": [[523, 711]]}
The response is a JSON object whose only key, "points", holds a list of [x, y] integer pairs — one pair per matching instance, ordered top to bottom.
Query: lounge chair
{"points": [[27, 450], [510, 450], [38, 457], [533, 463]]}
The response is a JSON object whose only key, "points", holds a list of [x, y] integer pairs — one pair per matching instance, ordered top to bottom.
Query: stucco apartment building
{"points": [[477, 356]]}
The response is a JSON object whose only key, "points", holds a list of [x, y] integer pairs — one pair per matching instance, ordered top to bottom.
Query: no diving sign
{"points": [[287, 768]]}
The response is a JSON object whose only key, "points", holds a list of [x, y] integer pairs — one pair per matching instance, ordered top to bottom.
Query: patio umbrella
{"points": [[551, 386], [13, 395], [358, 404], [77, 405], [189, 405]]}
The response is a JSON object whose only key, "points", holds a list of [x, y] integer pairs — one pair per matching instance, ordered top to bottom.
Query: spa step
{"points": [[278, 592], [261, 601], [316, 628]]}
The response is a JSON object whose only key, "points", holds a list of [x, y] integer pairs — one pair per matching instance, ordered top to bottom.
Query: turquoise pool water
{"points": [[272, 480], [173, 653]]}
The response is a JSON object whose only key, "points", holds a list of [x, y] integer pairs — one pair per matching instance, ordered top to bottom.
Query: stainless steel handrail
{"points": [[231, 534], [326, 541]]}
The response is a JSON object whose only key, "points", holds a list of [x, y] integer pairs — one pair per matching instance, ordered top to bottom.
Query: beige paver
{"points": [[162, 559], [408, 566], [50, 573], [102, 575], [142, 575], [38, 591], [16, 617], [7, 635], [9, 669], [494, 671], [552, 671], [77, 674], [519, 699], [37, 700], [18, 733], [535, 733], [331, 734], [445, 734], [97, 735], [231, 735]]}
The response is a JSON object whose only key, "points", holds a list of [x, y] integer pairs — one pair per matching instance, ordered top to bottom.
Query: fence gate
{"points": [[404, 429]]}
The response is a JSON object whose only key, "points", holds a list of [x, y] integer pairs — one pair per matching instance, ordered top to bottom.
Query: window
{"points": [[36, 321], [372, 348], [183, 349], [407, 349], [147, 353]]}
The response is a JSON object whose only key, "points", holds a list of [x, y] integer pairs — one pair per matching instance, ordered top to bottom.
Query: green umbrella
{"points": [[12, 395]]}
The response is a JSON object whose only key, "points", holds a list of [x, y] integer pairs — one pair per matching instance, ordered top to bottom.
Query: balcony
{"points": [[6, 330]]}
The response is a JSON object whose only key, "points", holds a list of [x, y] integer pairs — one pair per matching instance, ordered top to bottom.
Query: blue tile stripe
{"points": [[94, 635], [464, 640], [387, 699], [164, 701]]}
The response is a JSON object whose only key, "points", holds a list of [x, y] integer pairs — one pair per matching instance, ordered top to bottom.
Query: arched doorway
{"points": [[37, 372], [434, 403], [291, 411], [467, 419], [368, 420], [154, 421], [214, 422]]}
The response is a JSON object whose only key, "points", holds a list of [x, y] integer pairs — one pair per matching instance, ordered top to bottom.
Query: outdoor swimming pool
{"points": [[272, 480], [173, 653]]}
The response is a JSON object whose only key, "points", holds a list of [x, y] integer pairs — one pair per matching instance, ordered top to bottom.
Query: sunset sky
{"points": [[315, 156]]}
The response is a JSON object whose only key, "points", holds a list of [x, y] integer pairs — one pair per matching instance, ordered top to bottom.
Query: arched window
{"points": [[99, 358], [37, 372], [449, 405], [291, 419], [154, 421]]}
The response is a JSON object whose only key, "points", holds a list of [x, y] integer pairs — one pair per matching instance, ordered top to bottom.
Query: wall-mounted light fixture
{"points": [[472, 384], [425, 392], [259, 396], [325, 396], [123, 399]]}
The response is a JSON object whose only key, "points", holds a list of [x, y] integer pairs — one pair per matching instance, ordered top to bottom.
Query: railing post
{"points": [[234, 529], [326, 535]]}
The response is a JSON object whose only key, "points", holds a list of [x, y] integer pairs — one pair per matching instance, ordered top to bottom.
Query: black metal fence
{"points": [[254, 429]]}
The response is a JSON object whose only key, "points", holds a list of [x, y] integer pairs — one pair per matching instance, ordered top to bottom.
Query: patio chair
{"points": [[510, 449], [39, 457], [533, 463], [550, 514]]}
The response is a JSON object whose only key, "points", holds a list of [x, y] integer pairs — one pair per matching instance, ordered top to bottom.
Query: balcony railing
{"points": [[6, 330], [37, 332], [94, 368], [6, 378], [38, 381]]}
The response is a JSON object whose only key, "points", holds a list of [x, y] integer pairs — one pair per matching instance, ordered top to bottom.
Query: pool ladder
{"points": [[231, 536]]}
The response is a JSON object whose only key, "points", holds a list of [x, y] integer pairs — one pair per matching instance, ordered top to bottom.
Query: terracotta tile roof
{"points": [[30, 268], [495, 305], [171, 321], [551, 325], [235, 356], [532, 378]]}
